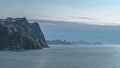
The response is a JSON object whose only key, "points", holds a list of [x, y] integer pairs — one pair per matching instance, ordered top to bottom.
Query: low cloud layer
{"points": [[85, 18]]}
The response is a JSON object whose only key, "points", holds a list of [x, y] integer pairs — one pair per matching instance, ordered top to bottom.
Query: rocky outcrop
{"points": [[19, 34]]}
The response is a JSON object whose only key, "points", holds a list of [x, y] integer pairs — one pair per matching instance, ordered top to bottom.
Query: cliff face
{"points": [[19, 34]]}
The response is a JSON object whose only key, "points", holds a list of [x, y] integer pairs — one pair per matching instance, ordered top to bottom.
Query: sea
{"points": [[63, 56]]}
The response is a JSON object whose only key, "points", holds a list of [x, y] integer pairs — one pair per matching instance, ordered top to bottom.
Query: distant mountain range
{"points": [[73, 31], [58, 42], [61, 42], [86, 43]]}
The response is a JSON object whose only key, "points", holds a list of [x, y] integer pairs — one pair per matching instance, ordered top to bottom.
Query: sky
{"points": [[102, 12]]}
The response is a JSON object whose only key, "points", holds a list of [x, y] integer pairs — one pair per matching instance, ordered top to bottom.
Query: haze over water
{"points": [[63, 57]]}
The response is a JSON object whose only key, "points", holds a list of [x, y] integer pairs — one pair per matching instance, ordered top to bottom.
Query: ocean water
{"points": [[63, 57]]}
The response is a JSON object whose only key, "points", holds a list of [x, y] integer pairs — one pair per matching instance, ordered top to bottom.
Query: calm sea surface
{"points": [[63, 57]]}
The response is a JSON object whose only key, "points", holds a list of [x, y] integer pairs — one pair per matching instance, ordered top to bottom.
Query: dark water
{"points": [[63, 57]]}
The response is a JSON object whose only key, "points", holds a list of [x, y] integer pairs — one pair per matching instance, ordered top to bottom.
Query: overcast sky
{"points": [[90, 11]]}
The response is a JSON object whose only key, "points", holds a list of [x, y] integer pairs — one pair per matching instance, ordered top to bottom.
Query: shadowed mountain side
{"points": [[19, 34]]}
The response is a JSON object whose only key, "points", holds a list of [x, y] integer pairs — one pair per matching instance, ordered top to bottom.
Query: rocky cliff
{"points": [[19, 34]]}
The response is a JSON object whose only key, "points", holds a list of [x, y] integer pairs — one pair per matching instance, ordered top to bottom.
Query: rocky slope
{"points": [[19, 34]]}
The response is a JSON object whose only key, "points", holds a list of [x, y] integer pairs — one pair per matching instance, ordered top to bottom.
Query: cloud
{"points": [[53, 17], [90, 18], [79, 19]]}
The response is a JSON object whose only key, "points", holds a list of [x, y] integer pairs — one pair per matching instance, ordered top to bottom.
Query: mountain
{"points": [[74, 31], [19, 34], [58, 42], [61, 42], [86, 43]]}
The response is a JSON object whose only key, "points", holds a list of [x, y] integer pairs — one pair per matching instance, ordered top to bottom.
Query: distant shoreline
{"points": [[61, 42]]}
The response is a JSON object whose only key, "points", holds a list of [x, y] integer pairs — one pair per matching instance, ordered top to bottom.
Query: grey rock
{"points": [[19, 34]]}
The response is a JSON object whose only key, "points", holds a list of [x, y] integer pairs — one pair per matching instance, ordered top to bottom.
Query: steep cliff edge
{"points": [[19, 34]]}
